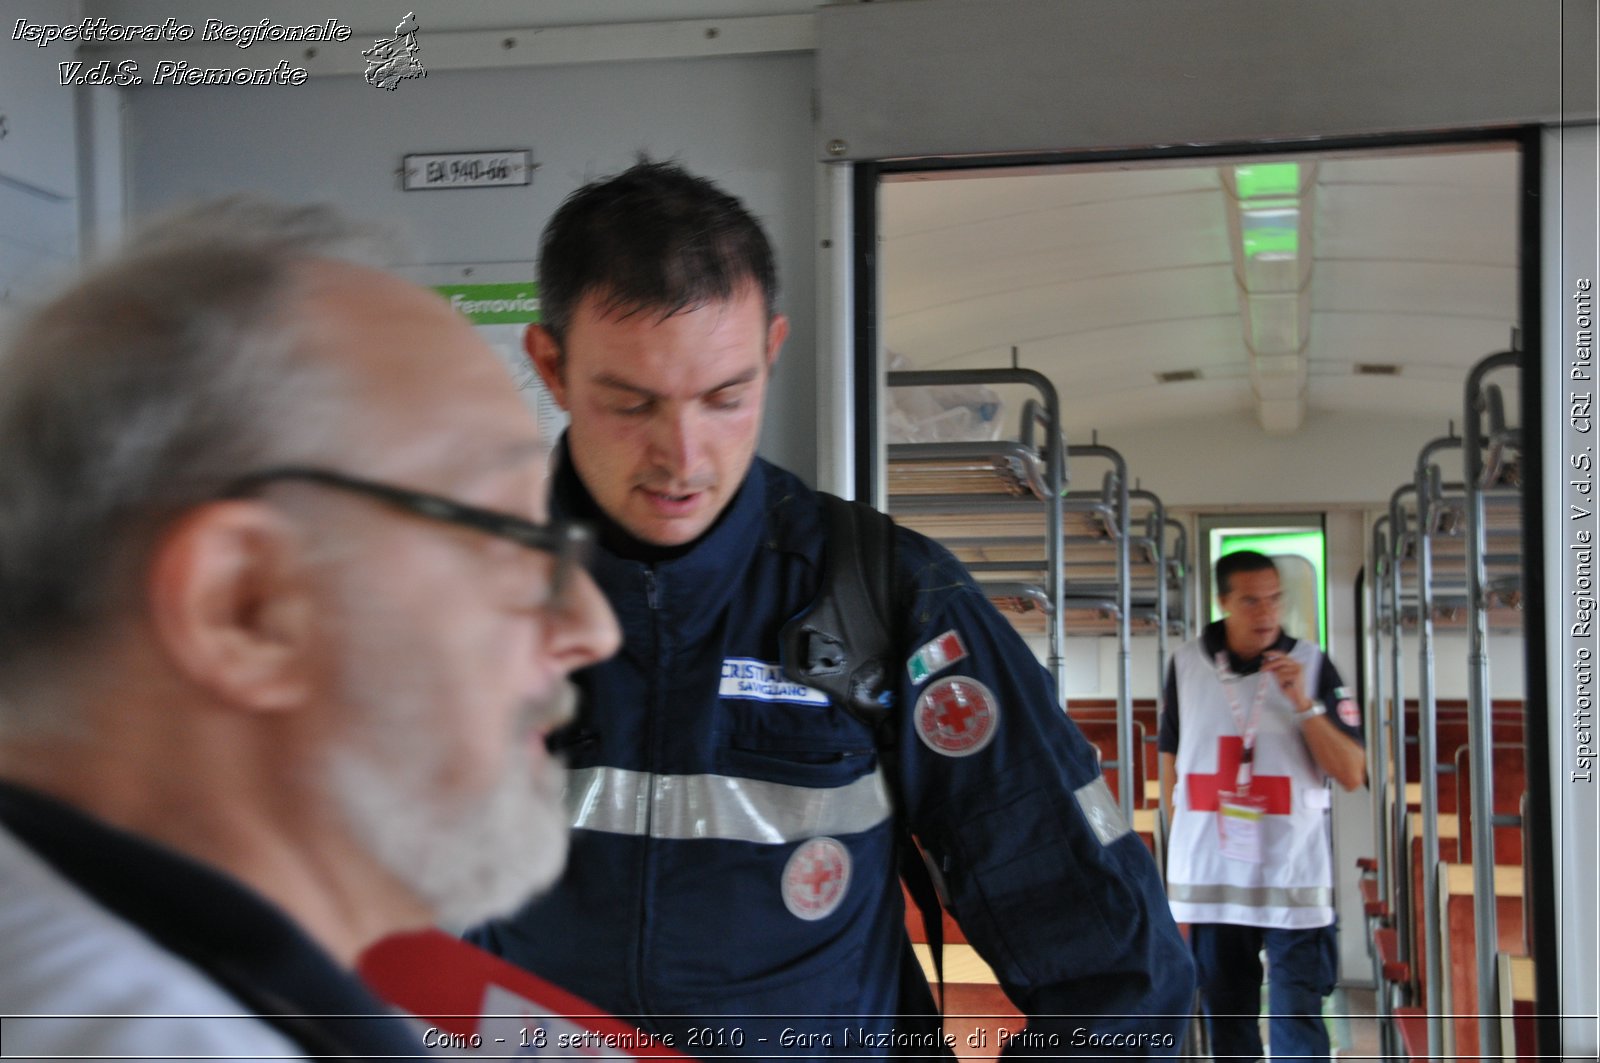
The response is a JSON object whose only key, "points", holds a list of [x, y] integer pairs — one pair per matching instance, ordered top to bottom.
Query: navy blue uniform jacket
{"points": [[733, 867]]}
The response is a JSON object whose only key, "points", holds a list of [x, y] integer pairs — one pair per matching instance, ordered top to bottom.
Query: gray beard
{"points": [[466, 859]]}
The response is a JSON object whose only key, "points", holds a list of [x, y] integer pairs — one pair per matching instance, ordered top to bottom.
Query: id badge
{"points": [[1239, 817]]}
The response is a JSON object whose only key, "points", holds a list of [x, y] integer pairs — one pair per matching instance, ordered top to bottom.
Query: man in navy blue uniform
{"points": [[733, 875]]}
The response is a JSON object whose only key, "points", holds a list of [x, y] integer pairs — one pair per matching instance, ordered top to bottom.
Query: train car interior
{"points": [[1094, 295], [1299, 326]]}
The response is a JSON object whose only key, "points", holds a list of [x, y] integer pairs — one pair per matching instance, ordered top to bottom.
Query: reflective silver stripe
{"points": [[609, 799], [619, 801], [1101, 810], [1252, 896]]}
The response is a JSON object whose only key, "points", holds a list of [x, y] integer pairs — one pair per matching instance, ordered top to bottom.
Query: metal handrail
{"points": [[1033, 414], [1500, 438], [1427, 482], [1158, 520], [1181, 551], [1019, 591], [1124, 606], [1397, 722], [1479, 728], [1378, 768]]}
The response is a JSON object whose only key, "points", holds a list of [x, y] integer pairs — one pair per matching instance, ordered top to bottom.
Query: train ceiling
{"points": [[1278, 288]]}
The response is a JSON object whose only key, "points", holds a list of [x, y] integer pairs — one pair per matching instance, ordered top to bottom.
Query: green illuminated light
{"points": [[1267, 179], [1270, 234]]}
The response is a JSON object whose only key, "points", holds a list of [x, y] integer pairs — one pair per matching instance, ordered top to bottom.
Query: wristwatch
{"points": [[1316, 708]]}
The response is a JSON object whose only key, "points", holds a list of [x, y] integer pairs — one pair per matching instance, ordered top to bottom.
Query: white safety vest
{"points": [[1292, 886]]}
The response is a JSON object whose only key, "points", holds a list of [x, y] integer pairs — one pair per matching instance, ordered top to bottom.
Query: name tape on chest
{"points": [[935, 656], [753, 680], [956, 716]]}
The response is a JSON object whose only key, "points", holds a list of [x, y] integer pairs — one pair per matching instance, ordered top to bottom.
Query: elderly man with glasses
{"points": [[281, 635]]}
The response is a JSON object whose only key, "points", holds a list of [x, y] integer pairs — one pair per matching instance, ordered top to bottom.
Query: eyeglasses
{"points": [[568, 542]]}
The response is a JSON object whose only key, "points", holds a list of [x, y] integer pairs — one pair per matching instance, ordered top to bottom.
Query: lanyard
{"points": [[1245, 727]]}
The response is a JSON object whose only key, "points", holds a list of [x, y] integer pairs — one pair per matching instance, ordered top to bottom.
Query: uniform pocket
{"points": [[799, 745], [794, 766], [1045, 913]]}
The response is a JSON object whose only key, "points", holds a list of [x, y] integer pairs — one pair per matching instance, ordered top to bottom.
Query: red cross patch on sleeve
{"points": [[956, 716]]}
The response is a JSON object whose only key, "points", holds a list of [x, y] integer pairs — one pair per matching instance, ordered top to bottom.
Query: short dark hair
{"points": [[652, 238], [1240, 561]]}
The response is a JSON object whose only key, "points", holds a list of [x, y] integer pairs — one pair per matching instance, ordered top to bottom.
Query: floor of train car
{"points": [[973, 1003], [1354, 1022]]}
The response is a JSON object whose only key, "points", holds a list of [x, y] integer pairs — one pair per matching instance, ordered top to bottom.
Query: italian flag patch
{"points": [[938, 654]]}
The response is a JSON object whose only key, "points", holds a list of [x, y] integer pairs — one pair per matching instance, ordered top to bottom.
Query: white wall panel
{"points": [[379, 15], [944, 77], [744, 122], [37, 150], [38, 162], [1571, 256], [1227, 460]]}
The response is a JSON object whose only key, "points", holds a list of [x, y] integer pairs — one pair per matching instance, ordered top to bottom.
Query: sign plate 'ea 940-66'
{"points": [[467, 169]]}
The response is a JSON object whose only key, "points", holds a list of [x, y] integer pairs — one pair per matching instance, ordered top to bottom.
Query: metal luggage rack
{"points": [[1000, 467], [954, 491], [1447, 538], [1014, 548], [1447, 555], [1002, 556], [1054, 561]]}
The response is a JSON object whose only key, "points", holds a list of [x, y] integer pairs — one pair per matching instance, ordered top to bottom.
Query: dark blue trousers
{"points": [[1302, 966]]}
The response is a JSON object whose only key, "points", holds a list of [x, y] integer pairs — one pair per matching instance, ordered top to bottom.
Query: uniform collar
{"points": [[693, 579], [1215, 640], [249, 947]]}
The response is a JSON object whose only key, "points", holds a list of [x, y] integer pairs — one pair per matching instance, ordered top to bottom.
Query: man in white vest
{"points": [[1253, 724]]}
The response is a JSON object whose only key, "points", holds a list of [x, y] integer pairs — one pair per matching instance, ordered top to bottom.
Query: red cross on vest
{"points": [[954, 713], [1203, 789], [818, 875]]}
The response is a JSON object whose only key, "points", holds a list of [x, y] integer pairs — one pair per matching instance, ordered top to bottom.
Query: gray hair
{"points": [[144, 388]]}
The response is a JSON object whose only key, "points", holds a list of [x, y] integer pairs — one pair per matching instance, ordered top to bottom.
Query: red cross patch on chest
{"points": [[1203, 789], [815, 878]]}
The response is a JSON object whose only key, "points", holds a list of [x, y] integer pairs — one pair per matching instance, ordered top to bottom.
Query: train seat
{"points": [[1102, 734], [1510, 784], [1448, 827], [1457, 944], [1516, 1008], [1413, 1026]]}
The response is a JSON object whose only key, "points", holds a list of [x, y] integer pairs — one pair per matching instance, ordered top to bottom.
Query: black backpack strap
{"points": [[843, 643], [846, 645]]}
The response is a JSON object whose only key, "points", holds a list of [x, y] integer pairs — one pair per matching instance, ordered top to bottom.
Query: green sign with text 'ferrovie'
{"points": [[495, 304]]}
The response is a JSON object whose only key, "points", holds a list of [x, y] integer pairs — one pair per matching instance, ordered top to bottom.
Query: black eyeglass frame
{"points": [[570, 542]]}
